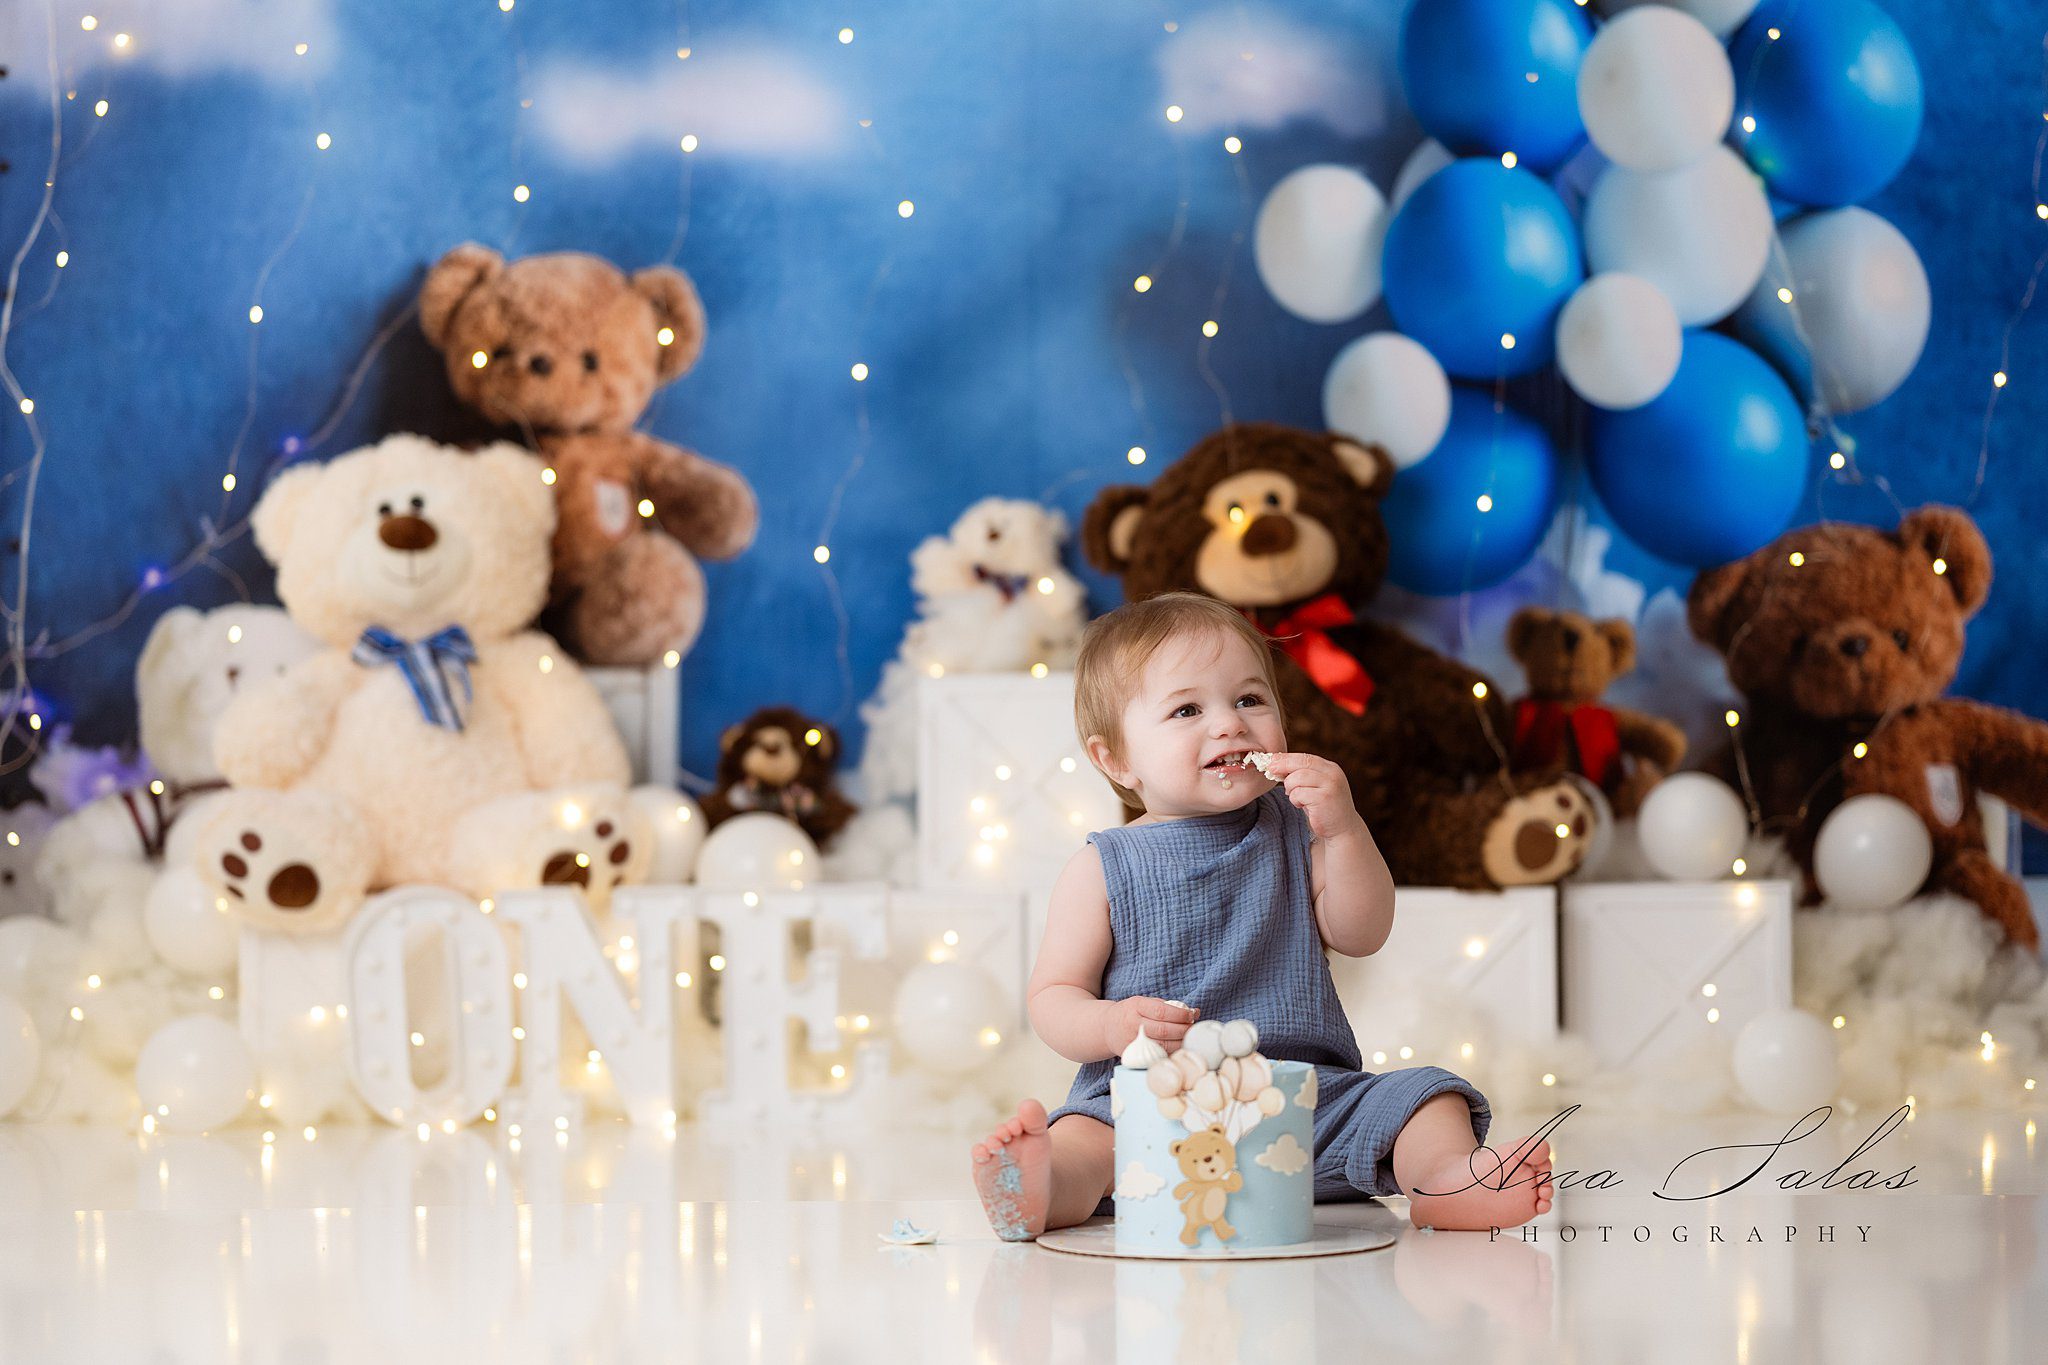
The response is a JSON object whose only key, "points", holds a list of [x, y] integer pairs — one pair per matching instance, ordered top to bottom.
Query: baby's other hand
{"points": [[1321, 790], [1165, 1023]]}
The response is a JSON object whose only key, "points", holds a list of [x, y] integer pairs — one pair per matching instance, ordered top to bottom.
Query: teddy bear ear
{"points": [[453, 278], [676, 307], [1365, 461], [517, 469], [277, 511], [1109, 528], [1955, 549], [1709, 603], [1523, 629], [1621, 643], [152, 671], [731, 736], [828, 742]]}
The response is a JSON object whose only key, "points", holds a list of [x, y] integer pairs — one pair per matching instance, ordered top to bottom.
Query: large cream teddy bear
{"points": [[432, 738]]}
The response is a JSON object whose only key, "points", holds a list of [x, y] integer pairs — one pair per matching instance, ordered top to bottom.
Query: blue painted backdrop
{"points": [[1009, 353]]}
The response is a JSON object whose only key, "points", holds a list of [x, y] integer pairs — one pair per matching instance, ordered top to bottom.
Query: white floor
{"points": [[369, 1244]]}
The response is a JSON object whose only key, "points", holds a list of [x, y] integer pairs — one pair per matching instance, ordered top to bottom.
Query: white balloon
{"points": [[1721, 17], [1655, 89], [1422, 163], [1700, 233], [1317, 242], [1859, 311], [1618, 341], [1387, 388], [1692, 827], [678, 828], [757, 852], [1873, 853], [187, 927], [946, 1016], [21, 1053], [1784, 1059], [194, 1074]]}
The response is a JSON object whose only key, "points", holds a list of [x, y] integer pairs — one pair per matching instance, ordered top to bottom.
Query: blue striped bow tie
{"points": [[427, 665]]}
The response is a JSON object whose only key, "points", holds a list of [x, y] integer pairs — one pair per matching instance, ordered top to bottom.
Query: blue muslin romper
{"points": [[1215, 911]]}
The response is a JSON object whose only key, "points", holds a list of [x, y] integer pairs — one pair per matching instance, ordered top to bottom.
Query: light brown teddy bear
{"points": [[569, 349], [1570, 660], [1209, 1162]]}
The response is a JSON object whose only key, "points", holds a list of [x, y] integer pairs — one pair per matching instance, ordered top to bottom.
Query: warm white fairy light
{"points": [[505, 6], [89, 23], [845, 35], [122, 40], [299, 49], [99, 109], [1174, 113], [1748, 123], [323, 142], [689, 142], [1233, 145], [1507, 159], [520, 194], [904, 208], [63, 259], [1142, 283], [1784, 295], [255, 312], [1209, 328], [665, 337], [1507, 341], [859, 372], [1998, 380], [28, 405], [1136, 455], [1485, 503], [645, 507], [822, 553], [1796, 559], [1479, 691], [1732, 718], [1861, 749], [1739, 866], [1475, 947], [716, 962], [215, 993], [1714, 1016], [1841, 1021], [1549, 1078]]}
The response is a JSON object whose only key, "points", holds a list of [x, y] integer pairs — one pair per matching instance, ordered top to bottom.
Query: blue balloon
{"points": [[1493, 76], [1835, 98], [1480, 252], [1712, 468], [1474, 509]]}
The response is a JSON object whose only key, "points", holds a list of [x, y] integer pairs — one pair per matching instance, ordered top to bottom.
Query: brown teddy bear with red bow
{"points": [[1285, 525], [1569, 661]]}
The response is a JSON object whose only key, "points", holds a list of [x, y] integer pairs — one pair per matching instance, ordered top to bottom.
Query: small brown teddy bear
{"points": [[569, 349], [1285, 526], [1842, 639], [1570, 660], [779, 760], [1209, 1162]]}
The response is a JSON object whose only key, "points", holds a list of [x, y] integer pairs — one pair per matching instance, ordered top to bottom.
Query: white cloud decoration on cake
{"points": [[1284, 1155], [1138, 1183]]}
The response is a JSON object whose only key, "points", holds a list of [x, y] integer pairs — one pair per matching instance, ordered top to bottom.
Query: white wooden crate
{"points": [[646, 705], [1650, 967]]}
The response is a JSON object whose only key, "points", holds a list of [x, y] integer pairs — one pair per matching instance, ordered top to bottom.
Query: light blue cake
{"points": [[1214, 1150]]}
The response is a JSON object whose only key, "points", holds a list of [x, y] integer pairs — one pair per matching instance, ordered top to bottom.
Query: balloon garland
{"points": [[1695, 125]]}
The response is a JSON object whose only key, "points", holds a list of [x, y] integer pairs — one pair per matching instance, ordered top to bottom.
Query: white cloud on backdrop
{"points": [[171, 37], [1249, 69], [740, 100]]}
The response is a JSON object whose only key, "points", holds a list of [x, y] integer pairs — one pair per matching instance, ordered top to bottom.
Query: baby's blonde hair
{"points": [[1116, 648]]}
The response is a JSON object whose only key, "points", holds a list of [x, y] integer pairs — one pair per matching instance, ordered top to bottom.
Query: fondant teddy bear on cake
{"points": [[569, 350], [1285, 525], [1842, 639], [1569, 661], [433, 738], [1208, 1165]]}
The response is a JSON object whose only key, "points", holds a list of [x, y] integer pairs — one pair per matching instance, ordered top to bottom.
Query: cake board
{"points": [[1097, 1237]]}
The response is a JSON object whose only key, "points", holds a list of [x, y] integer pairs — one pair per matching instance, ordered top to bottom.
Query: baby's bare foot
{"points": [[1013, 1174], [1486, 1189]]}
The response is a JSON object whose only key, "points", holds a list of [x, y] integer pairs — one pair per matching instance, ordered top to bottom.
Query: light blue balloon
{"points": [[1466, 66], [1835, 97], [1478, 252], [1712, 468], [1441, 541]]}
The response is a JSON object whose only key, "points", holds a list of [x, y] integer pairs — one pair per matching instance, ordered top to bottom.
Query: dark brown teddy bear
{"points": [[569, 350], [1285, 525], [1842, 638], [1570, 660], [781, 761]]}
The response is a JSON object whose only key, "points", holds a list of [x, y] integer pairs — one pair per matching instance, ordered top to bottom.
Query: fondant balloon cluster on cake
{"points": [[1216, 1079]]}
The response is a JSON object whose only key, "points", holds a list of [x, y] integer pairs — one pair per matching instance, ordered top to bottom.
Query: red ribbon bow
{"points": [[1304, 637], [1541, 730]]}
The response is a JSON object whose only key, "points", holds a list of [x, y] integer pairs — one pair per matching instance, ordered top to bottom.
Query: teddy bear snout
{"points": [[408, 533], [1269, 535]]}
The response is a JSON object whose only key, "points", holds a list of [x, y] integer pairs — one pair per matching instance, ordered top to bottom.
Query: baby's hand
{"points": [[1320, 789], [1165, 1022]]}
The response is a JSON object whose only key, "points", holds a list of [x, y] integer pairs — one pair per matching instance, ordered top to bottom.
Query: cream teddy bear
{"points": [[992, 597], [432, 738]]}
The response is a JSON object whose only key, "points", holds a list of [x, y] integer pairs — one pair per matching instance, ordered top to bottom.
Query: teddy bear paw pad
{"points": [[1539, 836], [601, 850], [267, 882]]}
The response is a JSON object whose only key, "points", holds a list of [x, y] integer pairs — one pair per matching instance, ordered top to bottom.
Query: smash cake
{"points": [[1215, 1143]]}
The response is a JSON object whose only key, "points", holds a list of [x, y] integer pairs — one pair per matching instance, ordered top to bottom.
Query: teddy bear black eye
{"points": [[501, 353], [590, 360], [1272, 499], [419, 504], [383, 509], [994, 534], [1902, 640], [1798, 646]]}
